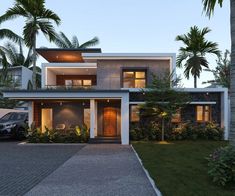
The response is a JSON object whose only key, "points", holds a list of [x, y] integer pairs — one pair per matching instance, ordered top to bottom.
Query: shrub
{"points": [[187, 131], [149, 132], [136, 133], [79, 134], [221, 166]]}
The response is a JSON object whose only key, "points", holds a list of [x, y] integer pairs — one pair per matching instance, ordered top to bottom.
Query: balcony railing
{"points": [[69, 87]]}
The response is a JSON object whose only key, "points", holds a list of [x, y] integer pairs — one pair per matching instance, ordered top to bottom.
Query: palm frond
{"points": [[209, 6], [50, 15], [7, 33], [75, 42], [90, 43]]}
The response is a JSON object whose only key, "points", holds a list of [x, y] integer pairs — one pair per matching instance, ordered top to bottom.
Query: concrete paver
{"points": [[22, 166], [100, 170]]}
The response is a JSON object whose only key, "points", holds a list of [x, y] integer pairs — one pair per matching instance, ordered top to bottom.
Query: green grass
{"points": [[180, 168]]}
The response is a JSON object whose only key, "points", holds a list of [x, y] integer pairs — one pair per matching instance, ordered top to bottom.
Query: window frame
{"points": [[134, 79], [203, 113], [131, 119]]}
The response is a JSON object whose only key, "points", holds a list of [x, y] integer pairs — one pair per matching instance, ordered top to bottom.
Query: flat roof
{"points": [[65, 55], [145, 56]]}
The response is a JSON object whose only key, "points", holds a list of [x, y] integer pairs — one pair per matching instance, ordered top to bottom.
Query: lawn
{"points": [[180, 168]]}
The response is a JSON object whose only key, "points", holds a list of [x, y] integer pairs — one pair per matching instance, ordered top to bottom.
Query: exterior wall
{"points": [[109, 72], [24, 74], [27, 75], [50, 78], [60, 79], [197, 98], [68, 113]]}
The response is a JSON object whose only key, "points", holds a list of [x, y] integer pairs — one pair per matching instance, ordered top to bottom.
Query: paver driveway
{"points": [[22, 166], [98, 170]]}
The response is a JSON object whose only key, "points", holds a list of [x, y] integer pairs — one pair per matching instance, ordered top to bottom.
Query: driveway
{"points": [[22, 167], [101, 170]]}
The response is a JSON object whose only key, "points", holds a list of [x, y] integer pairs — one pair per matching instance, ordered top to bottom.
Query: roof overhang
{"points": [[65, 55], [128, 56], [63, 94]]}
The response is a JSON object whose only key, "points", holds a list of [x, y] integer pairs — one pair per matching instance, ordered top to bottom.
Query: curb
{"points": [[51, 144], [157, 191]]}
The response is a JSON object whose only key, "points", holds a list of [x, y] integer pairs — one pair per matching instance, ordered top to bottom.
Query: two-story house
{"points": [[103, 91]]}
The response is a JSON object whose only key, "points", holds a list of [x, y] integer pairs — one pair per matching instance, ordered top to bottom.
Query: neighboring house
{"points": [[21, 75], [103, 91]]}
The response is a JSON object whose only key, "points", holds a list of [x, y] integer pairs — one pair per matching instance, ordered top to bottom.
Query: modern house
{"points": [[21, 76], [103, 91]]}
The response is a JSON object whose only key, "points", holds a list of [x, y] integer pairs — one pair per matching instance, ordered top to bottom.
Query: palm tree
{"points": [[209, 6], [37, 18], [62, 41], [16, 56], [192, 56], [221, 72]]}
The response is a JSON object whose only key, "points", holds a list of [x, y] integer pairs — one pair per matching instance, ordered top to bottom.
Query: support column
{"points": [[30, 113], [224, 113], [92, 118], [125, 119], [96, 132]]}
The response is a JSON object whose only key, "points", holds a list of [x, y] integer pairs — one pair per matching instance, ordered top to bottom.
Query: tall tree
{"points": [[209, 7], [38, 19], [62, 41], [15, 55], [193, 55], [221, 72], [162, 101]]}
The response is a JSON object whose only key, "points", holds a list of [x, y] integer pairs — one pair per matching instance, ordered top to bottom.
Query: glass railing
{"points": [[69, 87]]}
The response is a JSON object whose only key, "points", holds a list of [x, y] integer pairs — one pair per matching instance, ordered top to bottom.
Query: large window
{"points": [[134, 79], [79, 82], [135, 113], [203, 113], [86, 117], [176, 118]]}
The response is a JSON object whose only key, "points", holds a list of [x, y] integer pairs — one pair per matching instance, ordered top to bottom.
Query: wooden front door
{"points": [[110, 121]]}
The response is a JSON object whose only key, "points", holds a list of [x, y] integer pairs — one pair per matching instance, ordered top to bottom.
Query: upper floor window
{"points": [[134, 79], [78, 82], [203, 113]]}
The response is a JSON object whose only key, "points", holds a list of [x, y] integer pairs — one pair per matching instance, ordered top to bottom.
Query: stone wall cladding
{"points": [[109, 71], [189, 112]]}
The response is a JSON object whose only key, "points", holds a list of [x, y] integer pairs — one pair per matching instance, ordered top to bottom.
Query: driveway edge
{"points": [[51, 144], [157, 191]]}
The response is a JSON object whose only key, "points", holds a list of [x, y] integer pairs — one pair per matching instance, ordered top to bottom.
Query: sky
{"points": [[134, 26]]}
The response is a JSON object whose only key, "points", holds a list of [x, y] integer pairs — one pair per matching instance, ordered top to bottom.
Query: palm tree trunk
{"points": [[34, 63], [195, 81], [232, 88]]}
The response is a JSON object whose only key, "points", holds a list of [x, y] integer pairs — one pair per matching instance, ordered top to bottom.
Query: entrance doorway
{"points": [[110, 122]]}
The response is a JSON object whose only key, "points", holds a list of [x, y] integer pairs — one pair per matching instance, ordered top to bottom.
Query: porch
{"points": [[101, 116]]}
